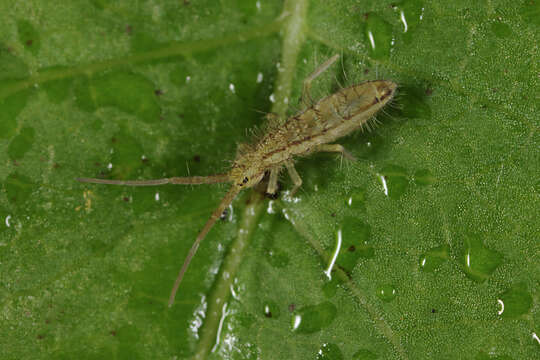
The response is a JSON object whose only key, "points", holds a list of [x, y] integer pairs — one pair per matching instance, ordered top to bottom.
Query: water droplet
{"points": [[410, 13], [28, 36], [378, 36], [259, 78], [129, 92], [21, 143], [424, 177], [394, 180], [18, 188], [357, 199], [355, 243], [434, 257], [277, 258], [477, 260], [330, 287], [386, 292], [515, 301], [271, 310], [313, 318], [329, 351], [364, 354]]}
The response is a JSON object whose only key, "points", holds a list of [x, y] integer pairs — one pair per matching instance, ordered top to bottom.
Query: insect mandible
{"points": [[309, 131]]}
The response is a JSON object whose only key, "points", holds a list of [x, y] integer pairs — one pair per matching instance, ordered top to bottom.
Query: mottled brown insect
{"points": [[309, 131]]}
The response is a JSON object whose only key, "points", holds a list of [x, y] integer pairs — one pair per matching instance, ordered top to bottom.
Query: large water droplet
{"points": [[356, 236], [434, 257], [478, 261], [386, 292], [515, 301], [313, 318], [329, 351]]}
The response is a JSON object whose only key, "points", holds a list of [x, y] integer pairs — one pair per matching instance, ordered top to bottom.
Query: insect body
{"points": [[309, 131]]}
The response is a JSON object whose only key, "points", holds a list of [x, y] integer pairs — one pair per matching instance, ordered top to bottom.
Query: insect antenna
{"points": [[194, 180], [225, 202]]}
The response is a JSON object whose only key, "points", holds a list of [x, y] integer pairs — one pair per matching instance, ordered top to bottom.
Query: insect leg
{"points": [[306, 94], [335, 148], [194, 180], [297, 180], [273, 182]]}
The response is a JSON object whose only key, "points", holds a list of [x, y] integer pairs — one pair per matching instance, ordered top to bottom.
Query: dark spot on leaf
{"points": [[129, 29], [28, 42], [429, 91], [158, 92], [113, 140], [197, 158], [56, 165], [245, 180], [126, 199], [333, 214], [224, 215], [351, 248], [291, 307], [433, 311], [268, 314], [113, 332], [40, 336]]}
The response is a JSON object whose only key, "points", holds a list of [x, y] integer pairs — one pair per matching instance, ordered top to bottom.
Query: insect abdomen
{"points": [[327, 120]]}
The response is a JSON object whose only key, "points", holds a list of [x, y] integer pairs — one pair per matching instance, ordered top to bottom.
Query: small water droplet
{"points": [[410, 15], [378, 35], [259, 78], [231, 87], [21, 143], [394, 180], [357, 199], [434, 257], [478, 261], [386, 292], [515, 301], [271, 310], [313, 318], [329, 351], [364, 354]]}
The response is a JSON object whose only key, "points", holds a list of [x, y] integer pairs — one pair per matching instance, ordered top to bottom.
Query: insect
{"points": [[309, 131]]}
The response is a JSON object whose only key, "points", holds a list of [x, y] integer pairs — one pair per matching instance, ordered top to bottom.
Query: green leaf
{"points": [[426, 247]]}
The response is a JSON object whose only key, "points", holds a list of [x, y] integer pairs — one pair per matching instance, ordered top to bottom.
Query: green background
{"points": [[438, 216]]}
